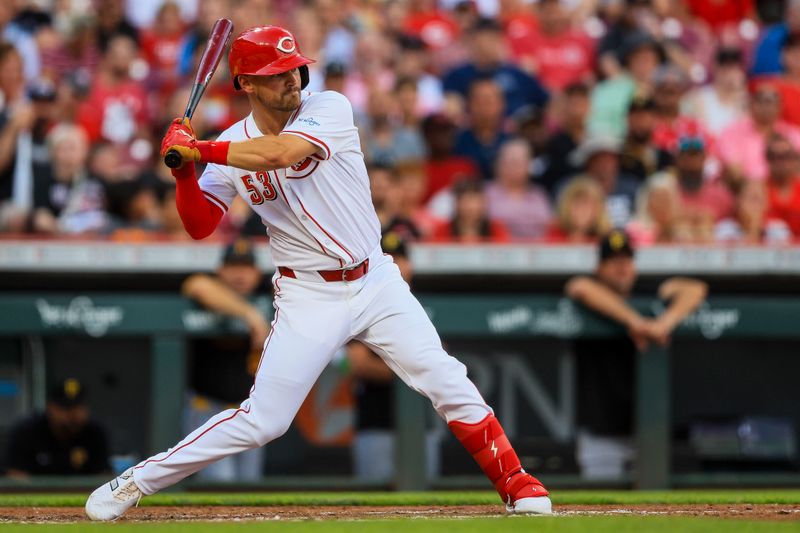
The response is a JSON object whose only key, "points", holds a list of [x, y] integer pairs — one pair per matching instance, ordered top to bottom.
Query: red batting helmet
{"points": [[264, 51]]}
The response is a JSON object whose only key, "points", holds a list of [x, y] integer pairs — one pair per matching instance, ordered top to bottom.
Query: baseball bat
{"points": [[213, 52]]}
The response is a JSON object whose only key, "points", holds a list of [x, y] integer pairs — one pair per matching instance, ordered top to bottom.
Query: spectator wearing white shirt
{"points": [[22, 40], [723, 101]]}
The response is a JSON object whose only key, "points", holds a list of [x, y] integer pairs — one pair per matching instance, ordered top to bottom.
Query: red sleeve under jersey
{"points": [[199, 215]]}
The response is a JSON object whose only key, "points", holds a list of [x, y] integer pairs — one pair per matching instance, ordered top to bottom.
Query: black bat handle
{"points": [[173, 159]]}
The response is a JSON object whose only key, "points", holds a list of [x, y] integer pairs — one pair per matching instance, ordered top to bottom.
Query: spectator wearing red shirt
{"points": [[719, 13], [464, 15], [519, 21], [436, 28], [161, 47], [558, 54], [788, 84], [669, 87], [116, 108], [442, 167], [783, 185], [471, 222]]}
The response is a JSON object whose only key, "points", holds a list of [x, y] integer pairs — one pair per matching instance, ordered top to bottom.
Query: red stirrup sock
{"points": [[488, 444]]}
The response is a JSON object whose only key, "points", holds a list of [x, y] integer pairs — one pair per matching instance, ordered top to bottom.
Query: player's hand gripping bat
{"points": [[217, 42]]}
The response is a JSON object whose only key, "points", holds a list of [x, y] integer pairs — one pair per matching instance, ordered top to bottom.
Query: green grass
{"points": [[779, 496], [600, 524]]}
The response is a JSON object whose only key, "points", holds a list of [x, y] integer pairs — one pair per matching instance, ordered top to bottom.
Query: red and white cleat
{"points": [[527, 495]]}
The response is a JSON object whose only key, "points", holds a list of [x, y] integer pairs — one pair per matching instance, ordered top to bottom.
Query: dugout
{"points": [[498, 308]]}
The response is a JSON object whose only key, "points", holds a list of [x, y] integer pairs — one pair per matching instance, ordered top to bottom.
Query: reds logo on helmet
{"points": [[286, 44], [266, 51]]}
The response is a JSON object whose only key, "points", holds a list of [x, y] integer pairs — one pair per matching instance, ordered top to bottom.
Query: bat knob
{"points": [[173, 159]]}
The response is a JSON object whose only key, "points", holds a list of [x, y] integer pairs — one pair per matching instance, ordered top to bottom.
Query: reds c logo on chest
{"points": [[302, 165], [302, 169]]}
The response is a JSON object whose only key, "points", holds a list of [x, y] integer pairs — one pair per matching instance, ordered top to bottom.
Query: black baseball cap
{"points": [[486, 24], [637, 41], [411, 42], [729, 56], [436, 122], [617, 243], [393, 244], [239, 252], [68, 392]]}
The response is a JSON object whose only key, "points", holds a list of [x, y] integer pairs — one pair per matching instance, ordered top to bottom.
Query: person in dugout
{"points": [[606, 367], [61, 441]]}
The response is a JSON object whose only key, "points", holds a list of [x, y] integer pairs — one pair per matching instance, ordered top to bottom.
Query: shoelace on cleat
{"points": [[125, 492]]}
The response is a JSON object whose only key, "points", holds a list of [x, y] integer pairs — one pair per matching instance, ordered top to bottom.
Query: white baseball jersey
{"points": [[318, 213], [319, 216]]}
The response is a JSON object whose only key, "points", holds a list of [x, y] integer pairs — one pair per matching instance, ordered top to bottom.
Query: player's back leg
{"points": [[397, 328]]}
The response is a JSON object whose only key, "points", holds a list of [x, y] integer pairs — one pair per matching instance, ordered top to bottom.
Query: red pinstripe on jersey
{"points": [[214, 199], [286, 199], [352, 258], [272, 326], [170, 454]]}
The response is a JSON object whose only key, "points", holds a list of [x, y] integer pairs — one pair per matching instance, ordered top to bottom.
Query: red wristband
{"points": [[213, 151]]}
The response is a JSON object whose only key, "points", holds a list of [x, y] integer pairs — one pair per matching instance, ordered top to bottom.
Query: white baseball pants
{"points": [[313, 319]]}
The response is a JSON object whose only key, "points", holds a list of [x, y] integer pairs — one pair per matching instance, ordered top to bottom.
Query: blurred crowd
{"points": [[481, 120]]}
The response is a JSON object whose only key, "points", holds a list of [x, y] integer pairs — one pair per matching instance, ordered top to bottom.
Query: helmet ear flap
{"points": [[303, 76]]}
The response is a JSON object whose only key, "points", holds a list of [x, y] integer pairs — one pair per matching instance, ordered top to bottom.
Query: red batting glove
{"points": [[180, 137]]}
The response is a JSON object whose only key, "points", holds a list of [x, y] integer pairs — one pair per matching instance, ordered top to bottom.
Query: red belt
{"points": [[347, 274]]}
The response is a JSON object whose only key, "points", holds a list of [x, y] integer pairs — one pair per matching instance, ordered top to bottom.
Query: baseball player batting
{"points": [[296, 159]]}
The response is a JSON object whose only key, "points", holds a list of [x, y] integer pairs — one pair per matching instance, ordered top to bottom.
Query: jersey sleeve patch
{"points": [[326, 120]]}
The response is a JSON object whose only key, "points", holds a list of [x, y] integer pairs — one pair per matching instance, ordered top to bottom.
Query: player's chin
{"points": [[294, 100]]}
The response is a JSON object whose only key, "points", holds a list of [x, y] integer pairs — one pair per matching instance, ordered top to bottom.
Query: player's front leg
{"points": [[401, 333], [303, 339]]}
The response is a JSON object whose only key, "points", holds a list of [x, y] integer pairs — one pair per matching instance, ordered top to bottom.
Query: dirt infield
{"points": [[192, 513]]}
